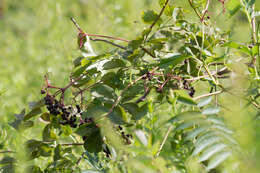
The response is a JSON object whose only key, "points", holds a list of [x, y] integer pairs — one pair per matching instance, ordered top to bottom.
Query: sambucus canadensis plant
{"points": [[153, 104]]}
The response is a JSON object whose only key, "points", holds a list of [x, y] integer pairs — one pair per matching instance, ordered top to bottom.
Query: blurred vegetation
{"points": [[37, 37]]}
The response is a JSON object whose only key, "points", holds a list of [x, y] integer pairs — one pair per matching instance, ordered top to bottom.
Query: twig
{"points": [[205, 11], [197, 13], [160, 14], [158, 17], [76, 24], [96, 35], [109, 37], [109, 42], [146, 51], [210, 74], [217, 74], [147, 91], [209, 94], [256, 105], [164, 140], [75, 144], [8, 151], [80, 158], [78, 161]]}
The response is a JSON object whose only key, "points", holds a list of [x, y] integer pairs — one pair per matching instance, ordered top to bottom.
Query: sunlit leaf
{"points": [[211, 111], [218, 159]]}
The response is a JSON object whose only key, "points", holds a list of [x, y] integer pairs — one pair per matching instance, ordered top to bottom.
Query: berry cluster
{"points": [[186, 85], [55, 108], [126, 137]]}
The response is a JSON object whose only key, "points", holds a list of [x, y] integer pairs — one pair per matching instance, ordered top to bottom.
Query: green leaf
{"points": [[233, 7], [150, 16], [134, 44], [241, 47], [77, 61], [172, 61], [114, 63], [78, 71], [112, 79], [86, 80], [103, 91], [186, 100], [204, 101], [35, 109], [95, 111], [136, 111], [211, 111], [33, 113], [45, 116], [118, 116], [185, 116], [19, 124], [190, 124], [25, 125], [87, 129], [66, 130], [196, 132], [48, 133], [141, 136], [93, 142], [201, 145], [36, 149], [210, 151], [57, 152], [218, 159], [7, 160], [34, 169]]}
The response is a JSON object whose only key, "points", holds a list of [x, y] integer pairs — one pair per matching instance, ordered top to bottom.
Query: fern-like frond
{"points": [[212, 139]]}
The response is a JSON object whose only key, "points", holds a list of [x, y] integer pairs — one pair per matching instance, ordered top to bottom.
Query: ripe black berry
{"points": [[43, 91], [78, 108]]}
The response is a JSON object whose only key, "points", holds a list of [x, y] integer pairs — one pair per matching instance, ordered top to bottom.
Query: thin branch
{"points": [[205, 11], [197, 13], [160, 14], [156, 20], [76, 24], [95, 35], [109, 37], [109, 42], [146, 51], [216, 74], [210, 75], [146, 92], [209, 94], [256, 105], [164, 140], [74, 144], [8, 151], [82, 155], [78, 161]]}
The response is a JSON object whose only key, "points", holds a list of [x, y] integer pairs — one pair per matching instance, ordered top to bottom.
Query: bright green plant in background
{"points": [[182, 96]]}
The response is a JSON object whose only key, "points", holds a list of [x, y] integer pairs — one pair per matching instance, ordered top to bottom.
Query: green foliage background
{"points": [[38, 37]]}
